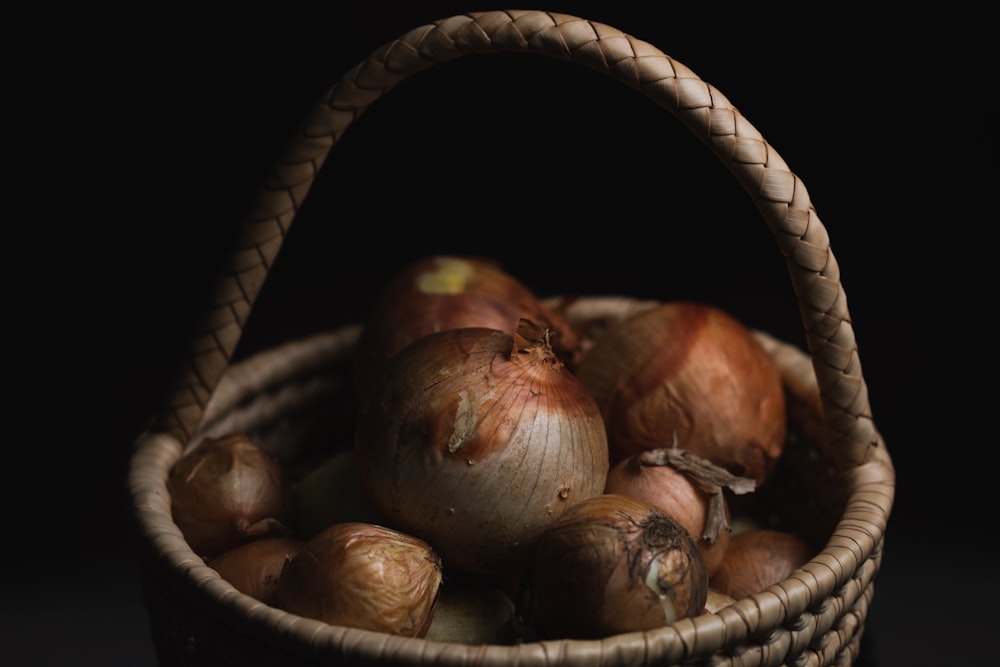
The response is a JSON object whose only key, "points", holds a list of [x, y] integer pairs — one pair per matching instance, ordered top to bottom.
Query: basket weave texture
{"points": [[836, 464]]}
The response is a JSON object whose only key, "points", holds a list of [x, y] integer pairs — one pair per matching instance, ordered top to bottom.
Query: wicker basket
{"points": [[835, 482]]}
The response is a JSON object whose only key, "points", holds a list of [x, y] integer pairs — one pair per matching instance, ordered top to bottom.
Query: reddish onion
{"points": [[443, 292], [689, 374], [476, 440], [227, 492], [759, 558], [613, 564], [255, 567], [365, 576]]}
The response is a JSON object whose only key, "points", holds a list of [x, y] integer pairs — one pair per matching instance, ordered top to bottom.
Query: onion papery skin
{"points": [[445, 292], [688, 375], [477, 448], [227, 492], [613, 564], [365, 576], [717, 601]]}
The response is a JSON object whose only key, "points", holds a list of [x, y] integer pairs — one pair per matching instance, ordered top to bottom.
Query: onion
{"points": [[438, 293], [691, 374], [476, 440], [688, 488], [227, 492], [331, 493], [758, 558], [613, 564], [255, 567], [365, 576], [473, 611]]}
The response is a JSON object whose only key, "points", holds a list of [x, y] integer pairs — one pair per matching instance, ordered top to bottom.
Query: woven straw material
{"points": [[836, 480]]}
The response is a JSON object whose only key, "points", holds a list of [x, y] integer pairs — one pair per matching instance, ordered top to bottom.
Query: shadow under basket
{"points": [[834, 484]]}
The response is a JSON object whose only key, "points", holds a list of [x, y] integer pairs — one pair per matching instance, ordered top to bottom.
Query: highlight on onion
{"points": [[449, 292], [691, 374], [476, 440], [688, 488], [228, 491], [758, 558], [613, 564], [255, 567], [365, 576]]}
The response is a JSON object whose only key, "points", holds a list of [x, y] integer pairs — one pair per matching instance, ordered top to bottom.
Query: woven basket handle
{"points": [[778, 193]]}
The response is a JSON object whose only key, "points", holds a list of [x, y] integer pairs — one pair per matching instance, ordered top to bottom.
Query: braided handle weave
{"points": [[778, 193]]}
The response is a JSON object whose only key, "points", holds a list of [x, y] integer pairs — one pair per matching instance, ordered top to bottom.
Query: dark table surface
{"points": [[186, 110]]}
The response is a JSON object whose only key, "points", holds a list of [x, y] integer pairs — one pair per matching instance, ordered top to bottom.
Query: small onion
{"points": [[444, 292], [689, 374], [476, 440], [227, 492], [674, 492], [331, 493], [758, 558], [613, 564], [255, 567], [365, 576], [473, 611]]}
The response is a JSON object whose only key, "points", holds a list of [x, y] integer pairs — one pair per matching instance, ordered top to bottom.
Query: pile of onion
{"points": [[445, 292], [689, 375], [476, 440], [510, 479]]}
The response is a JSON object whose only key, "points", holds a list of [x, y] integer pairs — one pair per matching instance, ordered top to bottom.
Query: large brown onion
{"points": [[447, 292], [689, 375], [476, 440], [227, 492], [613, 564], [366, 576]]}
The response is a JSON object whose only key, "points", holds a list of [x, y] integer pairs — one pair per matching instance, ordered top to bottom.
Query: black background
{"points": [[161, 124]]}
